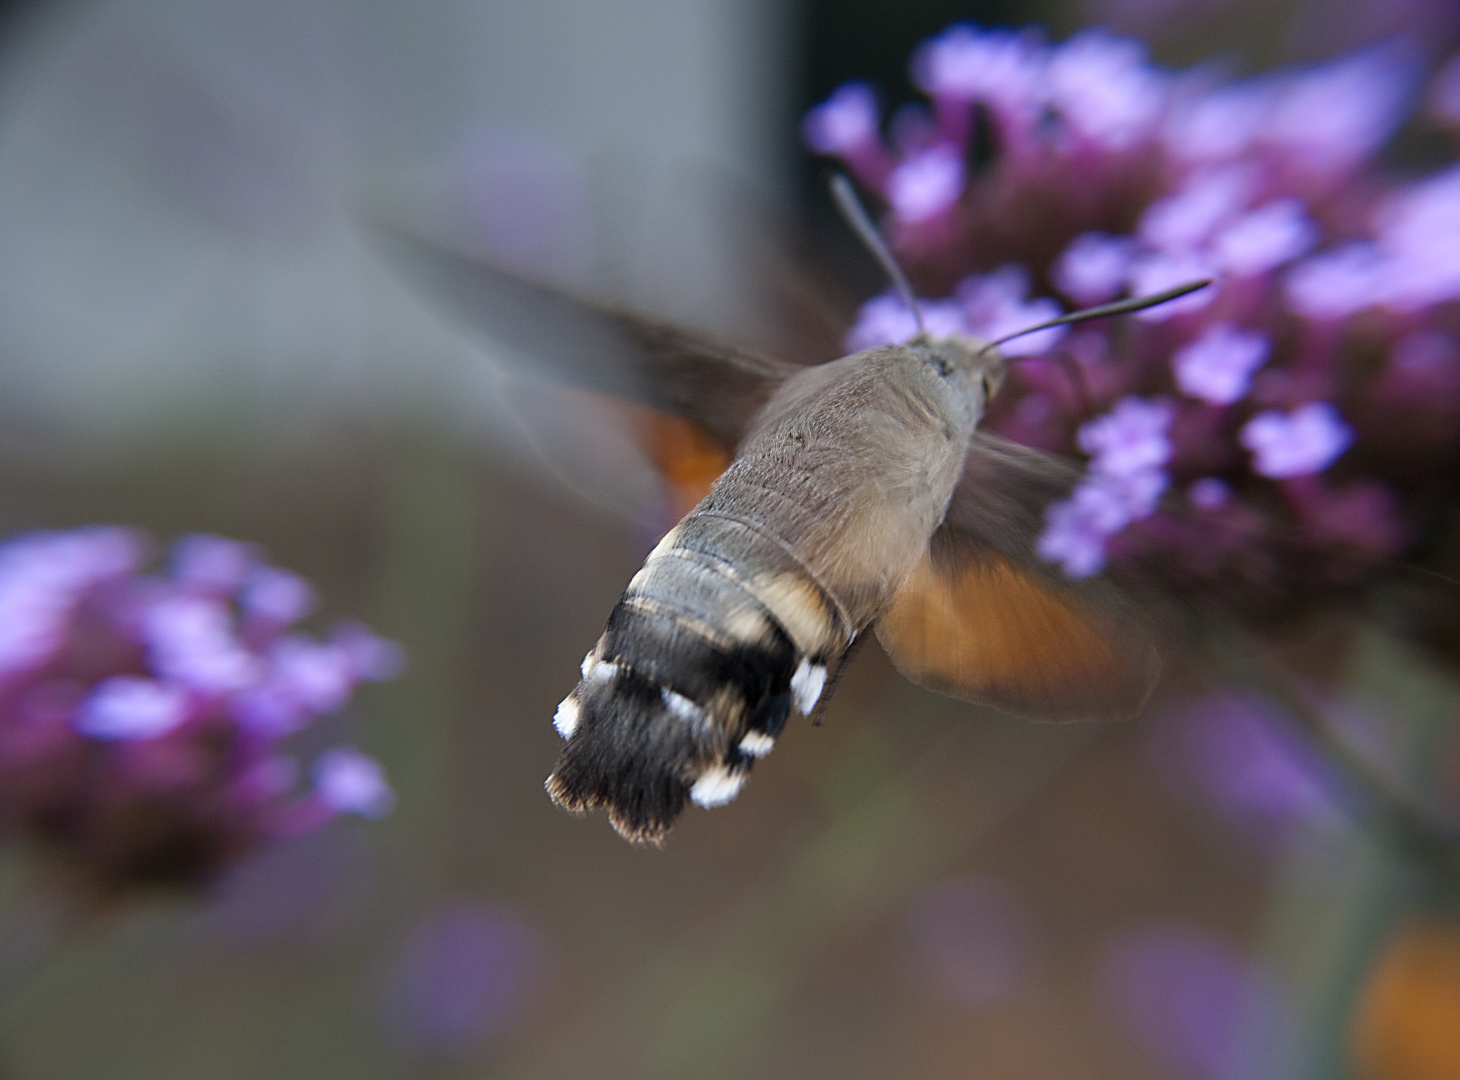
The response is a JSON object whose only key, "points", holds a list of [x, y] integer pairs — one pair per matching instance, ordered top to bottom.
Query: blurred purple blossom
{"points": [[1104, 89], [1328, 118], [1101, 175], [926, 183], [1266, 238], [1093, 268], [1218, 366], [1131, 438], [1305, 441], [1128, 449], [1209, 493], [132, 740], [1234, 752], [969, 942], [462, 975], [1196, 1004]]}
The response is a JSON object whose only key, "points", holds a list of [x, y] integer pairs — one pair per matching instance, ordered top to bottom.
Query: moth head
{"points": [[983, 364]]}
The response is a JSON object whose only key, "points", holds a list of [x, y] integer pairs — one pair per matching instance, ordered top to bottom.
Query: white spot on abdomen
{"points": [[600, 672], [806, 686], [681, 706], [566, 718], [757, 744], [717, 786]]}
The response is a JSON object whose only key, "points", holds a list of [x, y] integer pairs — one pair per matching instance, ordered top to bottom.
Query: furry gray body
{"points": [[827, 508]]}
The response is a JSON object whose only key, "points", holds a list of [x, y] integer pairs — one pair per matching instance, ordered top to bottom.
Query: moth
{"points": [[860, 499]]}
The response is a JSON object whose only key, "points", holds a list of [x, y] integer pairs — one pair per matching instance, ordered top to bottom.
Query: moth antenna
{"points": [[856, 215], [1119, 307]]}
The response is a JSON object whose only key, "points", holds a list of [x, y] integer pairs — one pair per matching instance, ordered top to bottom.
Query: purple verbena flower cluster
{"points": [[1289, 429], [143, 717]]}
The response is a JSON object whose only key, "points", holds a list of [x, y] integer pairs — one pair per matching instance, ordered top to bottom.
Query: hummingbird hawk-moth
{"points": [[860, 498]]}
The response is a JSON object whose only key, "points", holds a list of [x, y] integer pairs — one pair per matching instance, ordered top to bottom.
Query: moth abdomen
{"points": [[693, 679]]}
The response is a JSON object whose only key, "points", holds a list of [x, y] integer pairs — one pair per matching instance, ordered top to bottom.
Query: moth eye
{"points": [[988, 388]]}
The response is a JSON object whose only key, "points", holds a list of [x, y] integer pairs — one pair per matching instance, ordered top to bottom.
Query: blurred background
{"points": [[196, 335]]}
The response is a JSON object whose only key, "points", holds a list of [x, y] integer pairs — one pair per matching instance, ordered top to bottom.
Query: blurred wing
{"points": [[797, 301], [712, 384], [625, 457], [984, 619]]}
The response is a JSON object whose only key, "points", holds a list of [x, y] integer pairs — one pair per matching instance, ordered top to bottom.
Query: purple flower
{"points": [[964, 63], [1104, 90], [1328, 118], [845, 124], [1219, 124], [926, 184], [1273, 189], [1186, 220], [1418, 233], [1265, 238], [1093, 268], [1157, 272], [1335, 284], [994, 306], [883, 320], [887, 320], [1218, 366], [1130, 438], [1305, 441], [1209, 493], [1077, 530], [1073, 538], [212, 563], [43, 577], [277, 596], [191, 640], [128, 707], [130, 731], [1228, 750], [351, 783], [463, 974], [1195, 1003]]}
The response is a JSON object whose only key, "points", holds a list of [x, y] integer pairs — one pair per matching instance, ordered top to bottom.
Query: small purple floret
{"points": [[966, 64], [1103, 88], [1328, 118], [845, 123], [926, 184], [1186, 220], [1265, 238], [1093, 268], [1157, 272], [1336, 284], [1218, 366], [1130, 438], [1305, 441], [1129, 448], [1209, 493], [212, 563], [277, 596], [128, 707], [351, 783]]}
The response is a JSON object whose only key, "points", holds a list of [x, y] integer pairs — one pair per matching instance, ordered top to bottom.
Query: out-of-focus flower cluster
{"points": [[1286, 431], [143, 717]]}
